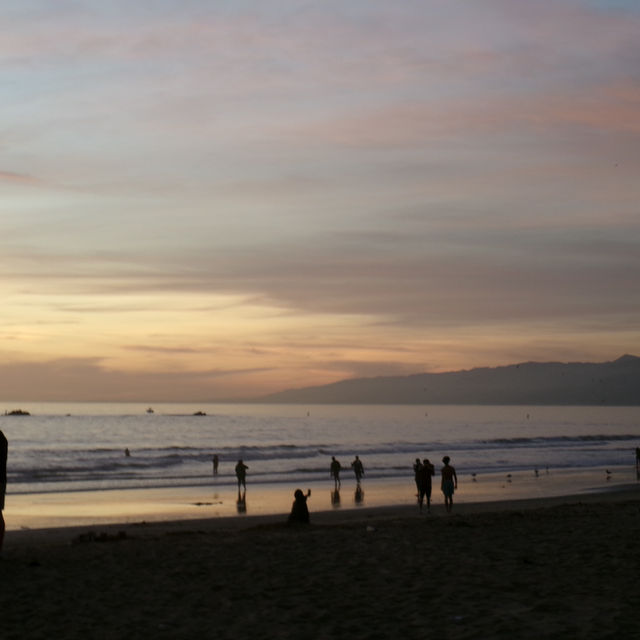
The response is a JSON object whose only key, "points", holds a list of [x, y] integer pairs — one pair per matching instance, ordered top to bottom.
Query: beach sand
{"points": [[561, 567]]}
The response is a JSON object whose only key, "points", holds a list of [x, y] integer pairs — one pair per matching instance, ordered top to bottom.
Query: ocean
{"points": [[66, 448]]}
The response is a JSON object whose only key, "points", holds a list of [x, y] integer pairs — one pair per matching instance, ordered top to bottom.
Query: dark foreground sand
{"points": [[564, 568]]}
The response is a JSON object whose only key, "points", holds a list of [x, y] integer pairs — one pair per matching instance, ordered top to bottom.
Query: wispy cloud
{"points": [[18, 178], [325, 189]]}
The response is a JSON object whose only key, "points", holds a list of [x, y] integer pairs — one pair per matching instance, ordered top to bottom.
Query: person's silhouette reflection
{"points": [[358, 496], [335, 498], [241, 503]]}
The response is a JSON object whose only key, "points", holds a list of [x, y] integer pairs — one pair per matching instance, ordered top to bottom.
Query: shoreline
{"points": [[217, 501], [65, 533], [560, 567]]}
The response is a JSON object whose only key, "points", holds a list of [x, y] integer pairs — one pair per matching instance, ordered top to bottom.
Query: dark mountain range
{"points": [[541, 383]]}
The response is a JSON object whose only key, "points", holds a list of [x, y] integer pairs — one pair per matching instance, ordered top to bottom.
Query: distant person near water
{"points": [[637, 458], [215, 461], [417, 465], [334, 469], [358, 469], [241, 474], [3, 482], [424, 483], [449, 483], [299, 510]]}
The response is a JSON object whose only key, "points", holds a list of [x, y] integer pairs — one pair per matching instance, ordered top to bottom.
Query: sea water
{"points": [[81, 447]]}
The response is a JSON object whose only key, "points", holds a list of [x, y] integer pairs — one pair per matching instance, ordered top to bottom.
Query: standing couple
{"points": [[424, 471]]}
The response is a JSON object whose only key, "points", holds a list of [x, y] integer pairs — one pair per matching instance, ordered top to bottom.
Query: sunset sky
{"points": [[208, 200]]}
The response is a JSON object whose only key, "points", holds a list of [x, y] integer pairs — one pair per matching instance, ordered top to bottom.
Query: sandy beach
{"points": [[559, 567]]}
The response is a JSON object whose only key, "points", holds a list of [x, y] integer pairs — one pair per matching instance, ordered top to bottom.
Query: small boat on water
{"points": [[149, 410], [17, 412]]}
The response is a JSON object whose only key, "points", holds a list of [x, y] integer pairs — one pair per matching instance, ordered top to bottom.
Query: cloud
{"points": [[12, 177], [292, 179], [89, 380]]}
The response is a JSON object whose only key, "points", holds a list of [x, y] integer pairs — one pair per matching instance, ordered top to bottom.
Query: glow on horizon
{"points": [[204, 202]]}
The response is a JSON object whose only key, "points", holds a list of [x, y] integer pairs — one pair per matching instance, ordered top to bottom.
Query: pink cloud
{"points": [[18, 178]]}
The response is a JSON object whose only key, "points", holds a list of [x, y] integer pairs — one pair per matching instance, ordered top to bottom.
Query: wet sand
{"points": [[219, 499], [563, 567]]}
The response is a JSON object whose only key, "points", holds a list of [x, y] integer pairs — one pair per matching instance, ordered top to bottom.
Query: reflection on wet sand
{"points": [[241, 502]]}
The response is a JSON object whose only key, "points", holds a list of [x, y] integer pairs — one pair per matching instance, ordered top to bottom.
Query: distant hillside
{"points": [[548, 383]]}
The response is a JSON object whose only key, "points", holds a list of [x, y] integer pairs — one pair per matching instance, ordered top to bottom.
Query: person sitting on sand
{"points": [[334, 469], [358, 469], [241, 474], [3, 481], [424, 483], [449, 483], [299, 510]]}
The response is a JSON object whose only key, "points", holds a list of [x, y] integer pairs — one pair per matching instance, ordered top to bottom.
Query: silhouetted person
{"points": [[127, 453], [637, 458], [215, 461], [417, 465], [334, 469], [358, 469], [241, 474], [3, 482], [424, 483], [449, 483], [299, 510]]}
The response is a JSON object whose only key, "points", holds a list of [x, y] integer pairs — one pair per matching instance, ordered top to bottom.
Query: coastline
{"points": [[622, 493], [63, 515], [562, 566]]}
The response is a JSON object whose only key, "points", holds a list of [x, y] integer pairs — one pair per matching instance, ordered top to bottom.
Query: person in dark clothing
{"points": [[216, 460], [417, 465], [358, 469], [334, 470], [425, 472], [241, 474], [3, 481], [299, 510]]}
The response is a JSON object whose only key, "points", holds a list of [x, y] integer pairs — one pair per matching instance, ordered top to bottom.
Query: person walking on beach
{"points": [[215, 461], [334, 469], [358, 469], [241, 474], [3, 482], [424, 483], [449, 483]]}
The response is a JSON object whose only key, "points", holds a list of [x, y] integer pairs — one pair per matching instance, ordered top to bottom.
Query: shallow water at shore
{"points": [[67, 448], [67, 463], [43, 510]]}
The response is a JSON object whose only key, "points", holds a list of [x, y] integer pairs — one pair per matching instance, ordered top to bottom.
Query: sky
{"points": [[213, 200]]}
